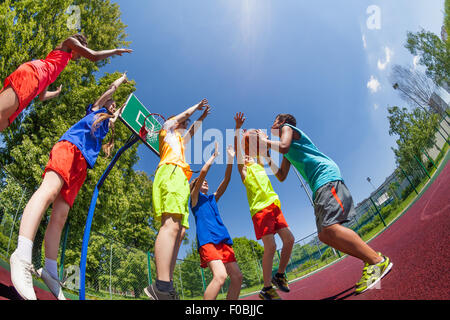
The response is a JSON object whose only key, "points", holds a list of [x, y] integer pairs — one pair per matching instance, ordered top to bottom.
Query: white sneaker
{"points": [[21, 277], [53, 284]]}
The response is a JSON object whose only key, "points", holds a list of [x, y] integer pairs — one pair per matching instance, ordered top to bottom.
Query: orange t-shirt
{"points": [[171, 148]]}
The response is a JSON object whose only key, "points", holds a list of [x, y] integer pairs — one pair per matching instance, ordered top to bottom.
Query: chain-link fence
{"points": [[117, 271]]}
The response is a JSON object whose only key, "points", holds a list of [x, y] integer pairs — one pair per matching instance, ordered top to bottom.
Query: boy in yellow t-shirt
{"points": [[170, 195], [266, 215]]}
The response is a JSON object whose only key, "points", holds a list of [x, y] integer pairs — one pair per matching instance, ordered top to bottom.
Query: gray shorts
{"points": [[333, 204]]}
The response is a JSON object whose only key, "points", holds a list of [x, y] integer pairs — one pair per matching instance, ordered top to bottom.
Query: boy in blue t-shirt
{"points": [[333, 203], [213, 240]]}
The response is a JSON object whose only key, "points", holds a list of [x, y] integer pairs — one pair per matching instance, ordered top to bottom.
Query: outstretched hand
{"points": [[119, 52], [58, 91], [202, 104], [205, 113], [240, 119], [216, 150]]}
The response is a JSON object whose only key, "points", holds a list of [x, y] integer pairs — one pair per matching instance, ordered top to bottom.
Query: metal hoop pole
{"points": [[87, 230]]}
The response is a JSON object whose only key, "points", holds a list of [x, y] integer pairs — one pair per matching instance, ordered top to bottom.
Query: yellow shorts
{"points": [[171, 193]]}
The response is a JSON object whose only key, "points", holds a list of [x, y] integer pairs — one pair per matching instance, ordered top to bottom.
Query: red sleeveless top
{"points": [[50, 68]]}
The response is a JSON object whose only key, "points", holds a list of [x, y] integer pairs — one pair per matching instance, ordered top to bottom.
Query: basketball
{"points": [[251, 144]]}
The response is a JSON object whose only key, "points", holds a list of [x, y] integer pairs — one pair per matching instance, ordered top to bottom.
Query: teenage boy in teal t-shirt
{"points": [[333, 203]]}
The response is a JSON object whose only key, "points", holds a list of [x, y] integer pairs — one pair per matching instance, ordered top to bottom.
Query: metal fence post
{"points": [[423, 167], [412, 185], [378, 211], [14, 221], [149, 269], [203, 279]]}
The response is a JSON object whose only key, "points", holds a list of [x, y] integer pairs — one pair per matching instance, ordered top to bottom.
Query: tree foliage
{"points": [[29, 30], [434, 53], [416, 131]]}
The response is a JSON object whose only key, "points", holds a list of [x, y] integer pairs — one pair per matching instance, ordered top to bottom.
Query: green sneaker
{"points": [[372, 274], [364, 275], [281, 282], [270, 294]]}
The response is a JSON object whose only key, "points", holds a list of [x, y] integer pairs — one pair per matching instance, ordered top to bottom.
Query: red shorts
{"points": [[25, 83], [68, 162], [268, 221], [210, 252]]}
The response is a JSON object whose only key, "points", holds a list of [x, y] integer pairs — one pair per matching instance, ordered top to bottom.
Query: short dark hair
{"points": [[81, 38], [287, 118]]}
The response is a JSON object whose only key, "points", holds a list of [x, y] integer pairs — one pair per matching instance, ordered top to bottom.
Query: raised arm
{"points": [[90, 54], [109, 93], [189, 112], [116, 115], [240, 119], [194, 127], [284, 144], [282, 172], [202, 176], [224, 184]]}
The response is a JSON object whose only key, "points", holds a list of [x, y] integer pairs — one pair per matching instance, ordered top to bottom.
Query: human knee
{"points": [[59, 217], [171, 224], [326, 235], [288, 240], [270, 247], [220, 277]]}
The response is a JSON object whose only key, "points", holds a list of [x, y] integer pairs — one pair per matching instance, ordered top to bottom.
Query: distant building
{"points": [[437, 104]]}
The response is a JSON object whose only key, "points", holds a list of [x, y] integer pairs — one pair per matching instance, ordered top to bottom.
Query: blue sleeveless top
{"points": [[81, 136], [315, 167], [209, 224]]}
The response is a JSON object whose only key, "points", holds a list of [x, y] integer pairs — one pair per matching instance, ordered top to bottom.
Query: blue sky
{"points": [[318, 60]]}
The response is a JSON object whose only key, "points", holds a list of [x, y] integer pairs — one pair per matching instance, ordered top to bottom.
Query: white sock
{"points": [[24, 249], [52, 267]]}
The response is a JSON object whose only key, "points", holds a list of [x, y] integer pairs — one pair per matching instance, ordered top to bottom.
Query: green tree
{"points": [[29, 30], [434, 53], [416, 131], [248, 255], [188, 274]]}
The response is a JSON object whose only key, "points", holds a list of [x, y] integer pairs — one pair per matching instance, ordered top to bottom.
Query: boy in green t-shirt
{"points": [[266, 215]]}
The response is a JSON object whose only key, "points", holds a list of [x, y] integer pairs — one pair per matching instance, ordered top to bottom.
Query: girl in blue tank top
{"points": [[213, 240]]}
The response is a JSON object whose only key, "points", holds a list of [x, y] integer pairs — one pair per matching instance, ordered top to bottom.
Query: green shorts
{"points": [[171, 193]]}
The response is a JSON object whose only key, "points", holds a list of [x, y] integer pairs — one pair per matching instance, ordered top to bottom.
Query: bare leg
{"points": [[9, 102], [39, 203], [58, 219], [348, 241], [288, 242], [166, 245], [177, 248], [267, 262], [219, 276], [235, 280]]}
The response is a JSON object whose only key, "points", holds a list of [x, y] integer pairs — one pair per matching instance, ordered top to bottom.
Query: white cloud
{"points": [[389, 53], [373, 84], [375, 106]]}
